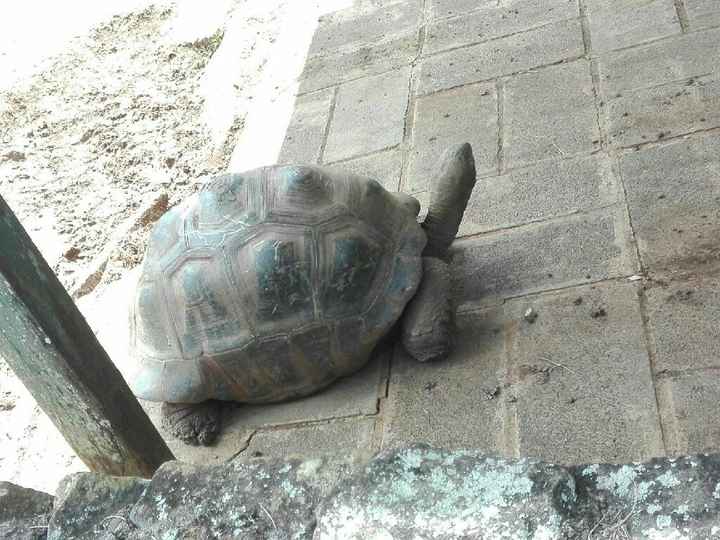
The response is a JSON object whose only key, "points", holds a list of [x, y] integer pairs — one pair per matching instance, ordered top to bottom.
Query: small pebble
{"points": [[14, 155], [72, 254]]}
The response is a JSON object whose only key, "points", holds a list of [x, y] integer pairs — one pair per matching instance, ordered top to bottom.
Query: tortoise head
{"points": [[450, 193]]}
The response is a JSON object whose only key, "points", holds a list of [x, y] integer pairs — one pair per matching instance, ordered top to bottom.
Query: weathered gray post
{"points": [[51, 348]]}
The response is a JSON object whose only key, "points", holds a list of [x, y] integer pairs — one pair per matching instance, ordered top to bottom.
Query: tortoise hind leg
{"points": [[193, 423]]}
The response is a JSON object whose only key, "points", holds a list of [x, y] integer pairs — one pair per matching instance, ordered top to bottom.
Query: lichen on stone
{"points": [[668, 479], [619, 482], [653, 509], [663, 521]]}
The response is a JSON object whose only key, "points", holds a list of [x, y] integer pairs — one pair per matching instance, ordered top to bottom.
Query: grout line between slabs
{"points": [[682, 16], [585, 28], [497, 38], [654, 41], [511, 75], [594, 75], [668, 82], [500, 90], [331, 117], [409, 124], [666, 140], [372, 154], [595, 210], [501, 300], [644, 316], [651, 349], [678, 373], [511, 422], [299, 424], [378, 438], [245, 446]]}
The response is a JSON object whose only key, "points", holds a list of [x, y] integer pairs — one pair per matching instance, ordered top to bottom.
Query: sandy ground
{"points": [[106, 106]]}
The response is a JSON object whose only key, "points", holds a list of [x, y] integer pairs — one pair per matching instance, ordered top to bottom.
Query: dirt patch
{"points": [[115, 118], [112, 122], [694, 255]]}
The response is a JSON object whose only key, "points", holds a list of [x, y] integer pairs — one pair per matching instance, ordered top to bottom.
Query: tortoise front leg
{"points": [[428, 321]]}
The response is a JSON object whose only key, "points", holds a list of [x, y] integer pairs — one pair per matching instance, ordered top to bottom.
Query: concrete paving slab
{"points": [[448, 8], [702, 13], [490, 22], [618, 24], [358, 25], [505, 56], [673, 59], [322, 71], [533, 98], [664, 111], [467, 114], [369, 115], [305, 134], [385, 167], [539, 192], [674, 198], [554, 254], [684, 317], [583, 382], [458, 402], [689, 404], [339, 437]]}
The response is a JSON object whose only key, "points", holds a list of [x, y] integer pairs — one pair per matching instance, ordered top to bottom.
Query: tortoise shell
{"points": [[269, 285]]}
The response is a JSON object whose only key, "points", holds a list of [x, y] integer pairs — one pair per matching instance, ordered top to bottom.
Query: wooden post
{"points": [[51, 348]]}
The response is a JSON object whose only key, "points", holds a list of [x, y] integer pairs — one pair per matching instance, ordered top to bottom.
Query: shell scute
{"points": [[352, 261], [274, 271], [205, 317]]}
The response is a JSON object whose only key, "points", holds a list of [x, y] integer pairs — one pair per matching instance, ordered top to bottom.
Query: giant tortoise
{"points": [[271, 284]]}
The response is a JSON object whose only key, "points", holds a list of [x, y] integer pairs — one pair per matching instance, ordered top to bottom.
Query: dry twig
{"points": [[268, 515]]}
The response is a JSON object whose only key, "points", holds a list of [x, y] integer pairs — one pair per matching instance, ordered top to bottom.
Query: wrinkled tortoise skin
{"points": [[269, 285]]}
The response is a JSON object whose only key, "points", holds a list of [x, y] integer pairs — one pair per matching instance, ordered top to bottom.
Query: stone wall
{"points": [[417, 492]]}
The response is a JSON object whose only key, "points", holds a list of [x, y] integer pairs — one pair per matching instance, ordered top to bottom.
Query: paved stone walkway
{"points": [[596, 129]]}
